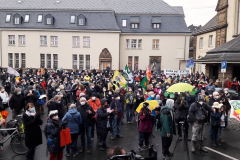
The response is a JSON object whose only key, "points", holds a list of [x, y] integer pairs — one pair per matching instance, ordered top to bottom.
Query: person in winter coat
{"points": [[8, 86], [67, 88], [210, 88], [74, 89], [81, 89], [158, 91], [31, 96], [5, 98], [16, 102], [130, 102], [95, 103], [55, 104], [87, 113], [216, 115], [74, 122], [103, 123], [145, 126], [32, 130], [53, 132]]}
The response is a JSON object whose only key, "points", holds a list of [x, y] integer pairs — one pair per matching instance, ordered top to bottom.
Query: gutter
{"points": [[180, 61]]}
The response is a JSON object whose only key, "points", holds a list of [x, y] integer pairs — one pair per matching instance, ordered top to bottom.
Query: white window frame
{"points": [[8, 18], [26, 18], [40, 18], [72, 19], [17, 20], [49, 20], [81, 21], [124, 23], [134, 25], [156, 25], [11, 40], [21, 40], [43, 41], [54, 41], [76, 41], [211, 41], [86, 42], [128, 43], [133, 43], [139, 43], [201, 43], [155, 44], [16, 57], [10, 59], [23, 60], [42, 60], [49, 61], [55, 61], [74, 61], [81, 61], [88, 61]]}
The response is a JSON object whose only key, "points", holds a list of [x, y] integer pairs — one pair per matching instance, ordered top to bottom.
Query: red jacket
{"points": [[43, 83], [227, 84], [94, 104], [145, 124]]}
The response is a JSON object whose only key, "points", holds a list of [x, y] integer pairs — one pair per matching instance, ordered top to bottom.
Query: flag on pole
{"points": [[10, 70], [148, 73], [130, 77], [120, 79], [144, 83], [235, 109]]}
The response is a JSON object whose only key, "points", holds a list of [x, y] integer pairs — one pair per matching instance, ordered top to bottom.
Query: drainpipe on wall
{"points": [[1, 46], [119, 52], [180, 61]]}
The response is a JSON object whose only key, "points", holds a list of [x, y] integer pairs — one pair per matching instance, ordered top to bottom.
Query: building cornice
{"points": [[211, 29], [162, 34]]}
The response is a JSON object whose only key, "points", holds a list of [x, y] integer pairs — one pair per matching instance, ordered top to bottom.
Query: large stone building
{"points": [[92, 34], [210, 41]]}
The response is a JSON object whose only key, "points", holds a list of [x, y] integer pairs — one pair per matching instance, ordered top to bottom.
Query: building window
{"points": [[8, 18], [26, 18], [72, 19], [17, 20], [39, 20], [49, 20], [81, 20], [124, 23], [134, 25], [156, 25], [11, 40], [21, 40], [43, 40], [54, 41], [76, 41], [86, 41], [211, 41], [128, 43], [201, 43], [133, 44], [139, 44], [155, 44], [10, 59], [23, 59], [16, 60], [42, 60], [55, 61], [74, 61], [81, 61], [87, 61], [130, 62], [136, 63], [49, 64]]}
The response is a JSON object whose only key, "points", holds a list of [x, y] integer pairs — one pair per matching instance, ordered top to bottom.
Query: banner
{"points": [[10, 70], [169, 72], [148, 73], [129, 76], [120, 79], [235, 109]]}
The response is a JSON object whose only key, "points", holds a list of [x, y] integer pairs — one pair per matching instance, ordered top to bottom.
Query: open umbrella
{"points": [[180, 87], [152, 103]]}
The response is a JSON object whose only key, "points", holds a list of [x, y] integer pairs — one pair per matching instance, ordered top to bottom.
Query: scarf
{"points": [[29, 113]]}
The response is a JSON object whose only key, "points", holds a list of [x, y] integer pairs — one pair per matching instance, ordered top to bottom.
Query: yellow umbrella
{"points": [[180, 87], [152, 103]]}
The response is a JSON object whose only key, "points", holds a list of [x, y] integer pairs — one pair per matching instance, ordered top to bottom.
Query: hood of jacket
{"points": [[103, 101], [72, 111]]}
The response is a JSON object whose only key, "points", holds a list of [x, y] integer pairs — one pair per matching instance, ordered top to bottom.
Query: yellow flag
{"points": [[119, 78]]}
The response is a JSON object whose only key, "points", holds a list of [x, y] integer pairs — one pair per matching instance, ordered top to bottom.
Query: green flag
{"points": [[127, 69], [144, 83]]}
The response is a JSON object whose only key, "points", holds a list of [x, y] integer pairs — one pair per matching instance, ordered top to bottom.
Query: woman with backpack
{"points": [[74, 121], [53, 136]]}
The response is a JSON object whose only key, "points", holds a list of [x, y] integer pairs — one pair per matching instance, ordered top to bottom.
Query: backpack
{"points": [[201, 115], [158, 120]]}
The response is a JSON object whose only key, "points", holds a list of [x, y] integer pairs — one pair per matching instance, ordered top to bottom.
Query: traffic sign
{"points": [[223, 67]]}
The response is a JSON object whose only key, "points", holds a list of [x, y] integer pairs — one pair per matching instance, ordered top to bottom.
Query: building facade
{"points": [[93, 34]]}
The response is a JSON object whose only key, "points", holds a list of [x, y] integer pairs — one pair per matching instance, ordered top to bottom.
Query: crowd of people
{"points": [[85, 101]]}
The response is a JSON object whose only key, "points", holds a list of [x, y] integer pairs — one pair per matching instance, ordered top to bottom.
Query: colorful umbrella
{"points": [[180, 87], [152, 103]]}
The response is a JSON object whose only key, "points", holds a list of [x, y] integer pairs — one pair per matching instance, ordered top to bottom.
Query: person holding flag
{"points": [[148, 73]]}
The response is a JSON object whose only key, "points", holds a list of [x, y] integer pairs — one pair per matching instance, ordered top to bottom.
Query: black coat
{"points": [[74, 91], [31, 99], [212, 100], [17, 102], [52, 105], [181, 110], [87, 119], [102, 120], [32, 130]]}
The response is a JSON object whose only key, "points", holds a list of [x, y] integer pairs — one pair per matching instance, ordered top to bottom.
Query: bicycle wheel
{"points": [[18, 144]]}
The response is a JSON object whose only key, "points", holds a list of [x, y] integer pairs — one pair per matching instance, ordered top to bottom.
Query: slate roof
{"points": [[119, 6], [94, 20], [209, 25]]}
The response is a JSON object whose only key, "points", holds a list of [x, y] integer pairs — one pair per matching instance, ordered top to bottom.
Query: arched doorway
{"points": [[105, 59]]}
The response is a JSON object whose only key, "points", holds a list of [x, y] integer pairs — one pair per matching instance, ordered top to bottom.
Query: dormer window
{"points": [[8, 18], [26, 18], [17, 19], [49, 19], [39, 20], [72, 20], [81, 20], [134, 22], [156, 22]]}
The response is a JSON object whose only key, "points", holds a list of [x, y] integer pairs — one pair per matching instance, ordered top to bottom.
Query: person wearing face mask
{"points": [[87, 77], [8, 86], [67, 88], [210, 88], [81, 89], [90, 91], [158, 91], [104, 93], [31, 96], [109, 96], [4, 97], [226, 97], [214, 98], [16, 102], [130, 102], [95, 103], [55, 104], [181, 112], [198, 112], [87, 113], [116, 116], [74, 121], [103, 123], [145, 126], [32, 130]]}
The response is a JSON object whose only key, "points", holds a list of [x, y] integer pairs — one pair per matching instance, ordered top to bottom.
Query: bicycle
{"points": [[20, 123], [17, 140]]}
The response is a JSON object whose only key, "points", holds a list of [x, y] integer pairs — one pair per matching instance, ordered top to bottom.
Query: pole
{"points": [[223, 80]]}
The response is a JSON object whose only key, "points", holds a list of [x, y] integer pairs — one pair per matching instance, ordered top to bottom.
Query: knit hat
{"points": [[53, 112]]}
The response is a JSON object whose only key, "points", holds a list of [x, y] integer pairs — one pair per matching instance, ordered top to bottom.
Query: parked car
{"points": [[234, 94]]}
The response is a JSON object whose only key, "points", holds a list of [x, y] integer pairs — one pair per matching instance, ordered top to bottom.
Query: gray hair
{"points": [[215, 93], [56, 97], [83, 98], [72, 106]]}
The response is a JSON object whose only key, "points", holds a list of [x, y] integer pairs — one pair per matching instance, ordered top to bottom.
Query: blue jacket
{"points": [[212, 87], [149, 99], [216, 118], [71, 124]]}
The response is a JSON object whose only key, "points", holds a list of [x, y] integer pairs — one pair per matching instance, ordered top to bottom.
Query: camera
{"points": [[152, 155]]}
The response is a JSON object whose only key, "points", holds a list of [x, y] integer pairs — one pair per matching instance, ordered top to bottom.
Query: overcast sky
{"points": [[197, 12]]}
